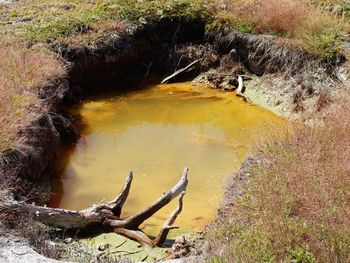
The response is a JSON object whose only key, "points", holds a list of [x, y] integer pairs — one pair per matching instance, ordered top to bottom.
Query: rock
{"points": [[342, 74], [68, 240], [103, 247], [18, 250]]}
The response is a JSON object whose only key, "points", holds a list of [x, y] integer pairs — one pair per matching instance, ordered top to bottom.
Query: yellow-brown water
{"points": [[156, 132]]}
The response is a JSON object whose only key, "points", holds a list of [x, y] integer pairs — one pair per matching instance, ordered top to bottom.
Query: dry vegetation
{"points": [[316, 25], [26, 70], [23, 72], [296, 206]]}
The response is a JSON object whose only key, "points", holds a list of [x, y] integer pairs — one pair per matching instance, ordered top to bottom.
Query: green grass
{"points": [[146, 11], [49, 21], [225, 23], [50, 29], [327, 44]]}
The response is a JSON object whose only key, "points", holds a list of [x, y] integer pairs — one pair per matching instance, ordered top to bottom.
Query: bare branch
{"points": [[180, 71], [117, 204], [135, 221], [169, 223], [137, 235]]}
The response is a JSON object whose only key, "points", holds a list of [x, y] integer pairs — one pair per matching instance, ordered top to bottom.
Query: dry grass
{"points": [[275, 16], [307, 22], [24, 70], [23, 73], [296, 207]]}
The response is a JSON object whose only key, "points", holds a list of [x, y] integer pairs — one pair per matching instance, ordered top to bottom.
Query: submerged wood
{"points": [[180, 71], [108, 214]]}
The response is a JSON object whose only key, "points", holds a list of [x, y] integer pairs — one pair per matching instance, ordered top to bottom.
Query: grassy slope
{"points": [[318, 26], [296, 206]]}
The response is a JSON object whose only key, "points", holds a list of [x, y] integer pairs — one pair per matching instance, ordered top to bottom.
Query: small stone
{"points": [[68, 240], [103, 247]]}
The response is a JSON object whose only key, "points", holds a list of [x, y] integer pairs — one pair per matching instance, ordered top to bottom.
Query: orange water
{"points": [[156, 132]]}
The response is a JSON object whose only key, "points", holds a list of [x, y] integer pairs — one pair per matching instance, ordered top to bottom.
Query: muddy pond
{"points": [[156, 131]]}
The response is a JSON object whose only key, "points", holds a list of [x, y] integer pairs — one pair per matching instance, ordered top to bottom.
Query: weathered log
{"points": [[180, 71], [108, 214]]}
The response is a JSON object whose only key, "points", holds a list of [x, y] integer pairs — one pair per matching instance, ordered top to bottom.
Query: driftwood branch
{"points": [[180, 71], [241, 86], [117, 204], [108, 215], [135, 221], [169, 223], [144, 239]]}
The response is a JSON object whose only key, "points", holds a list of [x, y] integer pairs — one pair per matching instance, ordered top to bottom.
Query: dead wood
{"points": [[180, 71], [241, 86], [108, 215]]}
